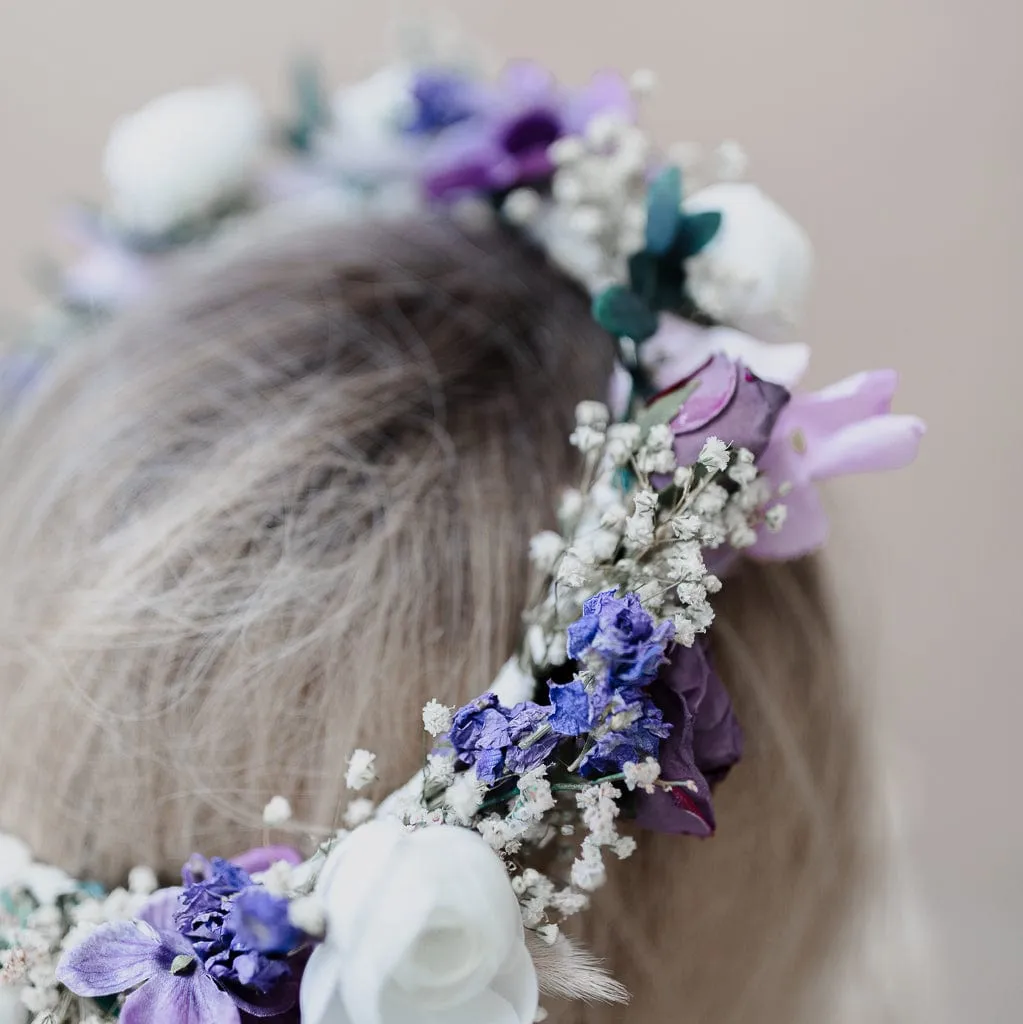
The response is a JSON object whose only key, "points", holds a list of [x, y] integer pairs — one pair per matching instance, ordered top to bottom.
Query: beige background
{"points": [[891, 128]]}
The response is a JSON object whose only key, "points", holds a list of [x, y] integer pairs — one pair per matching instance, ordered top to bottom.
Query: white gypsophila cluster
{"points": [[595, 218], [647, 538], [436, 718], [361, 769], [38, 924]]}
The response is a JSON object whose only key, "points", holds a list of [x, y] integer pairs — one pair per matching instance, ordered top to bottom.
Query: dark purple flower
{"points": [[442, 99], [506, 143], [731, 403], [621, 633], [571, 708], [525, 721], [479, 733], [487, 735], [705, 742], [206, 917], [175, 987]]}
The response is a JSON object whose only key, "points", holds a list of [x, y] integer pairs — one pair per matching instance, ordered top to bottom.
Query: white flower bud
{"points": [[522, 206], [277, 812]]}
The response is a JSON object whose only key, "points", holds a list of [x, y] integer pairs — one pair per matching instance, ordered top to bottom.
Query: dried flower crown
{"points": [[432, 905]]}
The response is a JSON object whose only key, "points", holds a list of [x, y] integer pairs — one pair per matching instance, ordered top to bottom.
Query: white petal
{"points": [[512, 685], [517, 983], [319, 996]]}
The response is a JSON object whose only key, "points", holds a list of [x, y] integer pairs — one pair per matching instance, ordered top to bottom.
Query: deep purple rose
{"points": [[731, 403], [705, 741]]}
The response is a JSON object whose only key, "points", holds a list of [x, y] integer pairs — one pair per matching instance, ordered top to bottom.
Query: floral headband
{"points": [[447, 901]]}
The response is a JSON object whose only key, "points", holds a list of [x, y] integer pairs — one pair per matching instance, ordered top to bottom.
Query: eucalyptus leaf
{"points": [[313, 108], [664, 197], [696, 230], [621, 312], [666, 408]]}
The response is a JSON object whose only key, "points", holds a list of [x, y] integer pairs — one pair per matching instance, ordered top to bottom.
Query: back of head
{"points": [[259, 520]]}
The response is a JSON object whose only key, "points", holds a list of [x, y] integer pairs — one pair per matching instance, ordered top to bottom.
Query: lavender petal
{"points": [[114, 958], [180, 999]]}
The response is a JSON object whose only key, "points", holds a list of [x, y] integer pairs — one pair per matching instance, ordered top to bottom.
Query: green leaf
{"points": [[313, 108], [664, 197], [695, 230], [624, 314], [666, 408]]}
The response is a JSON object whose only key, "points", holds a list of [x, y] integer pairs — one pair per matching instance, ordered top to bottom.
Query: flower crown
{"points": [[447, 900]]}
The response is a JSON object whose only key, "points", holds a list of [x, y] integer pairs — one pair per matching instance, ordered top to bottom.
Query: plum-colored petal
{"points": [[526, 82], [606, 93], [462, 162], [680, 348], [716, 383], [745, 417], [873, 445], [805, 528], [262, 858], [160, 908], [114, 958], [179, 999]]}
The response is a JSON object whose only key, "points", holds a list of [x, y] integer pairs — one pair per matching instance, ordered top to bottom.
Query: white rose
{"points": [[367, 139], [182, 155], [755, 273], [421, 926], [12, 1010]]}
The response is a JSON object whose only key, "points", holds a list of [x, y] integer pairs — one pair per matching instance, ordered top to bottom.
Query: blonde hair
{"points": [[261, 519]]}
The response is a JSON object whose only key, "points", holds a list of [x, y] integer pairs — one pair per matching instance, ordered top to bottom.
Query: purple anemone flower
{"points": [[505, 144], [620, 633], [216, 951], [171, 985]]}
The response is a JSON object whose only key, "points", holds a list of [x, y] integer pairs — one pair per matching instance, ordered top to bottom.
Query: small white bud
{"points": [[642, 82], [566, 150], [522, 206], [592, 414], [361, 770], [277, 812], [142, 881], [306, 914]]}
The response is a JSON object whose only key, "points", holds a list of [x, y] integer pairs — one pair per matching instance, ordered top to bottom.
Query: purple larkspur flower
{"points": [[442, 99], [506, 142], [621, 634], [619, 641], [487, 735], [705, 742], [206, 917], [259, 921], [171, 985]]}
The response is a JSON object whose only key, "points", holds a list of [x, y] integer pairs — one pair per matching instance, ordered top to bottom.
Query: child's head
{"points": [[262, 518]]}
